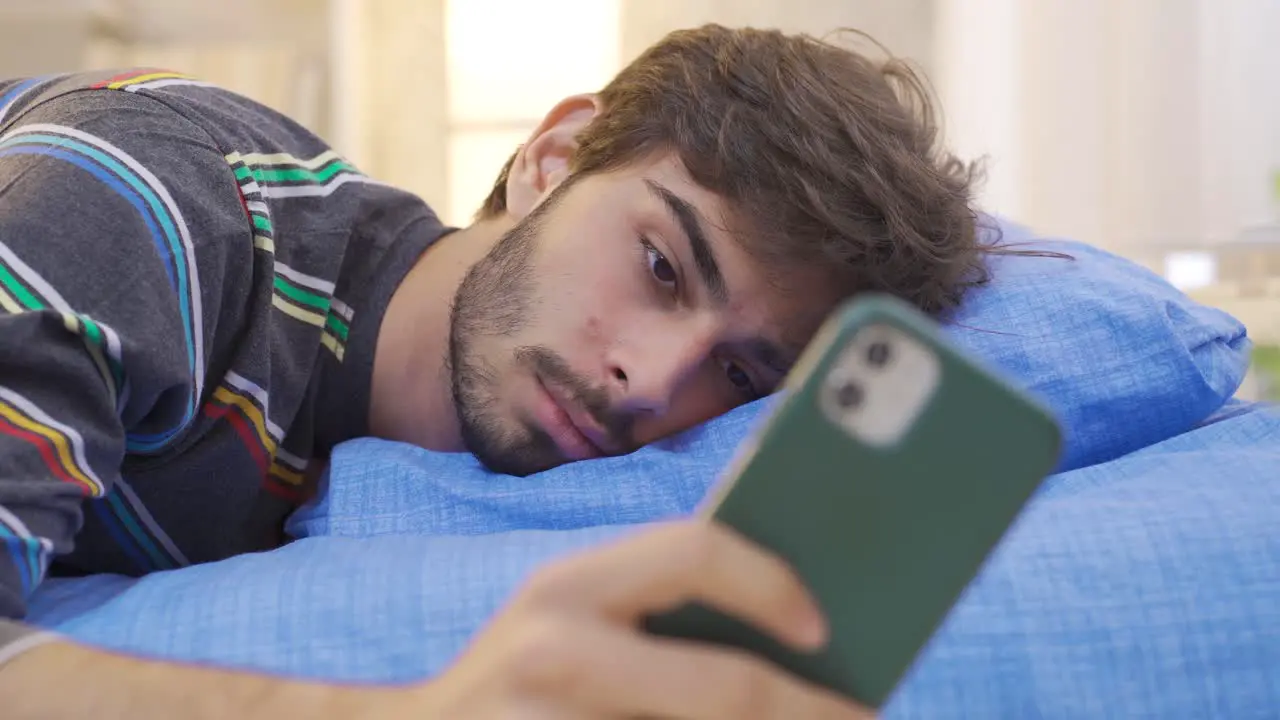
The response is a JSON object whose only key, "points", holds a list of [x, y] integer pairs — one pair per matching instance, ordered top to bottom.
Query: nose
{"points": [[651, 366]]}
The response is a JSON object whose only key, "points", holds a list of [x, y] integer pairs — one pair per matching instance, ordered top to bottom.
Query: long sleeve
{"points": [[102, 310]]}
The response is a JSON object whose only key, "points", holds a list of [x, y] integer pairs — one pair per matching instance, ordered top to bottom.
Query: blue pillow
{"points": [[1122, 357], [376, 487]]}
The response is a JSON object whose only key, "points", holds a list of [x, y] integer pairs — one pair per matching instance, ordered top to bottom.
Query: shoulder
{"points": [[75, 94], [158, 98], [86, 114]]}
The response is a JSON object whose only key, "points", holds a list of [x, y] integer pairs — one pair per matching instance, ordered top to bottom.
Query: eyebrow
{"points": [[690, 220]]}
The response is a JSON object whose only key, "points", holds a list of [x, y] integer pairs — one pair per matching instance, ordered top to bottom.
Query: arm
{"points": [[100, 307], [108, 686]]}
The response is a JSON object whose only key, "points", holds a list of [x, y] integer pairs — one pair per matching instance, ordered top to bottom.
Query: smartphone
{"points": [[889, 469]]}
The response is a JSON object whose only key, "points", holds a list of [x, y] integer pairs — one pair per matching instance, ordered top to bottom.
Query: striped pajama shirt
{"points": [[191, 286]]}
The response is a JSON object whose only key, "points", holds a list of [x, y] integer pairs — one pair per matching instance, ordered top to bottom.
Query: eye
{"points": [[659, 266], [740, 379]]}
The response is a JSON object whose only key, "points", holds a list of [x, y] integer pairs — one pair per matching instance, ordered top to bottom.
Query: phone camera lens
{"points": [[878, 354], [849, 395]]}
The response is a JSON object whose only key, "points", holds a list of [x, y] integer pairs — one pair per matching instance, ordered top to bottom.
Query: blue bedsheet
{"points": [[1145, 586]]}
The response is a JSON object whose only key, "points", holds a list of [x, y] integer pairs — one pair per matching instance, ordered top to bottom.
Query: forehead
{"points": [[784, 305]]}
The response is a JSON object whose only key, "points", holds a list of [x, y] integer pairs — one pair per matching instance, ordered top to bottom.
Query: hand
{"points": [[568, 645]]}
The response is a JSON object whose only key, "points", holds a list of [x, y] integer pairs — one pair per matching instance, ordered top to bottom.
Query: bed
{"points": [[1143, 580]]}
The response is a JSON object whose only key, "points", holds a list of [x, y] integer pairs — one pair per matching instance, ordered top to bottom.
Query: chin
{"points": [[513, 450], [518, 468]]}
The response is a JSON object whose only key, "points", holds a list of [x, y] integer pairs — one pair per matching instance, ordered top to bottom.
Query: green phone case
{"points": [[885, 536]]}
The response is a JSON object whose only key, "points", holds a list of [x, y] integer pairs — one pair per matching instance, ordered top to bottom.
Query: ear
{"points": [[542, 163]]}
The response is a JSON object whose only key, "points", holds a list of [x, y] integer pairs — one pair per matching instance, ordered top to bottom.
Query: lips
{"points": [[574, 431]]}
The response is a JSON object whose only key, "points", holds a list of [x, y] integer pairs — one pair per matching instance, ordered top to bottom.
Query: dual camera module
{"points": [[877, 355], [879, 383]]}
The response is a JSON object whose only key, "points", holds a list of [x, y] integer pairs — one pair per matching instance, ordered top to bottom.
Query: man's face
{"points": [[617, 312]]}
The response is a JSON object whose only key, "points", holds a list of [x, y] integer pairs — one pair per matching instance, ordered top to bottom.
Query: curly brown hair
{"points": [[829, 159]]}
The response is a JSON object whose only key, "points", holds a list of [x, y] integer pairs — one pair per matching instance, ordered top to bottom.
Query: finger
{"points": [[682, 562], [617, 672]]}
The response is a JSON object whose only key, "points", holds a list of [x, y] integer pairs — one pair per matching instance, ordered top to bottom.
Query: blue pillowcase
{"points": [[1123, 358], [375, 487]]}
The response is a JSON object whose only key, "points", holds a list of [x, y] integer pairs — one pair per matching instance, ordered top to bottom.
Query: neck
{"points": [[411, 398]]}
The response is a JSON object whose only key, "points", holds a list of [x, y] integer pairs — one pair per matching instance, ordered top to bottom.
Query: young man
{"points": [[200, 299]]}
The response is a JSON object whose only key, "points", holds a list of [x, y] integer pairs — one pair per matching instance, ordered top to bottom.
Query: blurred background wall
{"points": [[1149, 127]]}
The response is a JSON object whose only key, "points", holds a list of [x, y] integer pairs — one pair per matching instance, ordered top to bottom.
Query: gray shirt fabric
{"points": [[191, 287]]}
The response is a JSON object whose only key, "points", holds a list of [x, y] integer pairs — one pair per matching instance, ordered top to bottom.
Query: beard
{"points": [[494, 303]]}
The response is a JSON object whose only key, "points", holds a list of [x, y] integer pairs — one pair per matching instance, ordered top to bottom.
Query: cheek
{"points": [[574, 280], [594, 296], [593, 330]]}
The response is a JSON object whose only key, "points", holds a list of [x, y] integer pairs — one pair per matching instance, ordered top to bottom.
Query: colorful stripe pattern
{"points": [[149, 80], [10, 99], [281, 175], [254, 204], [161, 216], [23, 290], [302, 297], [336, 328], [246, 407], [61, 447], [63, 451], [287, 475], [135, 531], [30, 554]]}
